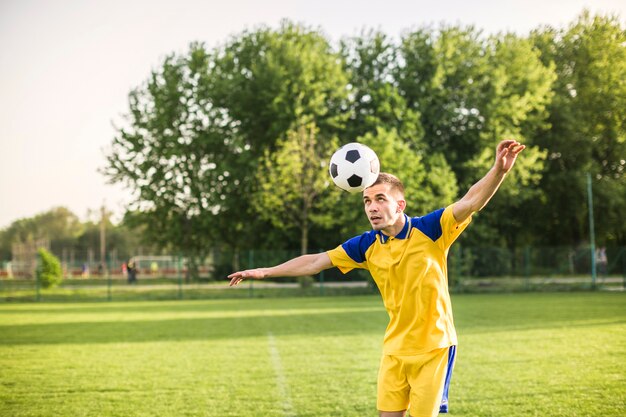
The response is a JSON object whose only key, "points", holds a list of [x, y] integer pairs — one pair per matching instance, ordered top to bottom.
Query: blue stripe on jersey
{"points": [[429, 224], [404, 233], [357, 246], [443, 408]]}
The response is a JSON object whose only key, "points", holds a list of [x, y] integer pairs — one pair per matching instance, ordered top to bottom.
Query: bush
{"points": [[490, 262], [49, 272], [306, 281]]}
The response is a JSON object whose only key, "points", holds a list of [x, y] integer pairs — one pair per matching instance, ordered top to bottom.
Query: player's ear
{"points": [[401, 205]]}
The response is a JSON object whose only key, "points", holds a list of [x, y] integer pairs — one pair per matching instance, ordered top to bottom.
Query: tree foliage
{"points": [[443, 77], [199, 126], [587, 131], [219, 143], [228, 146], [177, 154], [294, 187], [58, 225], [72, 238], [49, 273]]}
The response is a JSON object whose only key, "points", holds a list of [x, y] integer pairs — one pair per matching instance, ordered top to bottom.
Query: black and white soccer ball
{"points": [[354, 167]]}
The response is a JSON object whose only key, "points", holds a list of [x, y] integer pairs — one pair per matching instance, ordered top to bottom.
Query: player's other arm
{"points": [[480, 193], [302, 265]]}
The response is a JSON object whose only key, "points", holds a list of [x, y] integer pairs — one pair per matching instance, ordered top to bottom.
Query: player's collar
{"points": [[404, 233]]}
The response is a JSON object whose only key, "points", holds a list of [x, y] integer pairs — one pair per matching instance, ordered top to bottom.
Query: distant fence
{"points": [[173, 277]]}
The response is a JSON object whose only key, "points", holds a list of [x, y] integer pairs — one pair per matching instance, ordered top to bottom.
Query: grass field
{"points": [[556, 354]]}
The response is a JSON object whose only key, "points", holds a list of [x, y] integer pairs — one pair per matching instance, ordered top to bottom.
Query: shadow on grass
{"points": [[186, 306], [308, 316], [194, 329]]}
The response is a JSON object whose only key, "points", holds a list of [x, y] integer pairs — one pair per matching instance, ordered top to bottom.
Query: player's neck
{"points": [[397, 226]]}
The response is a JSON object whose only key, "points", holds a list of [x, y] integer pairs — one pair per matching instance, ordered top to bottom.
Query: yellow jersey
{"points": [[410, 270]]}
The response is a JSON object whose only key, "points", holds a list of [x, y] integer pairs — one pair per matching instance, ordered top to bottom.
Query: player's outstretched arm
{"points": [[480, 193], [296, 267]]}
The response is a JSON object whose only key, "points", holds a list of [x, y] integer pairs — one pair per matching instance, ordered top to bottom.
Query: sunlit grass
{"points": [[519, 355]]}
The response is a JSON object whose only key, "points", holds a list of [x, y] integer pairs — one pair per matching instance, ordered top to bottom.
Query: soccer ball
{"points": [[354, 167]]}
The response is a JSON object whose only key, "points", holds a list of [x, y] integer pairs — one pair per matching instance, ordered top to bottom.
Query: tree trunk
{"points": [[304, 237], [235, 259]]}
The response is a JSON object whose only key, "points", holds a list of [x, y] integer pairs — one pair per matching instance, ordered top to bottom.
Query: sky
{"points": [[67, 66]]}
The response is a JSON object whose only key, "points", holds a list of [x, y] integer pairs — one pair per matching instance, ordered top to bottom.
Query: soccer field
{"points": [[520, 355]]}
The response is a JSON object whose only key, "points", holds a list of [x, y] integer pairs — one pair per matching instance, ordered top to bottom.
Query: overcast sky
{"points": [[67, 66]]}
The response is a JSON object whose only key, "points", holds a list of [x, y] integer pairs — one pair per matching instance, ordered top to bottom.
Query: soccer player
{"points": [[407, 257]]}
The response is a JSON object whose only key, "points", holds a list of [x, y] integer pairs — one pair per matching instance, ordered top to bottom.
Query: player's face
{"points": [[384, 208]]}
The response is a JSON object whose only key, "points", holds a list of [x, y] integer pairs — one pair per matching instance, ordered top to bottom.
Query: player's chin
{"points": [[377, 225]]}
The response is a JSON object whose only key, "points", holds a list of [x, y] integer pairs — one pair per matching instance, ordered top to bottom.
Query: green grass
{"points": [[161, 289], [519, 355]]}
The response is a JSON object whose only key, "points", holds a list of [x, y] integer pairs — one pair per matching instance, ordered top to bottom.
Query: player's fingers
{"points": [[505, 144], [518, 148], [236, 278], [235, 281]]}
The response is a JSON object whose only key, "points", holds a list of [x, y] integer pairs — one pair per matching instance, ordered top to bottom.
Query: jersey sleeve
{"points": [[450, 228], [351, 254]]}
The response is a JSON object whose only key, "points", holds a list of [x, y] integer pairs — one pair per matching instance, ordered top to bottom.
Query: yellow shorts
{"points": [[419, 380]]}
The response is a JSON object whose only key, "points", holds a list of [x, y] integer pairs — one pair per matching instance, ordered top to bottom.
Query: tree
{"points": [[443, 77], [272, 80], [472, 92], [515, 100], [376, 102], [382, 119], [198, 127], [587, 134], [176, 154], [294, 186], [58, 225], [49, 273]]}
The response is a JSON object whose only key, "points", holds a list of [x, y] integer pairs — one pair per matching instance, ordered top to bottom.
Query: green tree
{"points": [[371, 61], [443, 77], [270, 80], [472, 92], [518, 92], [515, 101], [382, 119], [198, 127], [587, 134], [177, 154], [294, 187], [59, 225], [122, 241], [49, 273]]}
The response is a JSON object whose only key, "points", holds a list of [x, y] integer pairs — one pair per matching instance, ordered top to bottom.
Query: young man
{"points": [[407, 258]]}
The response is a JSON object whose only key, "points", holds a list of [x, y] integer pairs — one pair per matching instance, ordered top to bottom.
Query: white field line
{"points": [[281, 381]]}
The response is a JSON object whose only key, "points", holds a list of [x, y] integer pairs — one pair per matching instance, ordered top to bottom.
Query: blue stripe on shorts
{"points": [[444, 399]]}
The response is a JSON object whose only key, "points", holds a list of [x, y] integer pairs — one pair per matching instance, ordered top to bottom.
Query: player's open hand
{"points": [[506, 154], [237, 277]]}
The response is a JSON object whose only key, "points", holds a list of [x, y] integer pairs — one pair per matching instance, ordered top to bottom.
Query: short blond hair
{"points": [[394, 182]]}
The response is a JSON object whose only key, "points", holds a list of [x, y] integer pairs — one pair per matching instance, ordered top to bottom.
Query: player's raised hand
{"points": [[506, 154], [237, 277]]}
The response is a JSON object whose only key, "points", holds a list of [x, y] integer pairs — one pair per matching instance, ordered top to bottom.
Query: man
{"points": [[407, 258]]}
